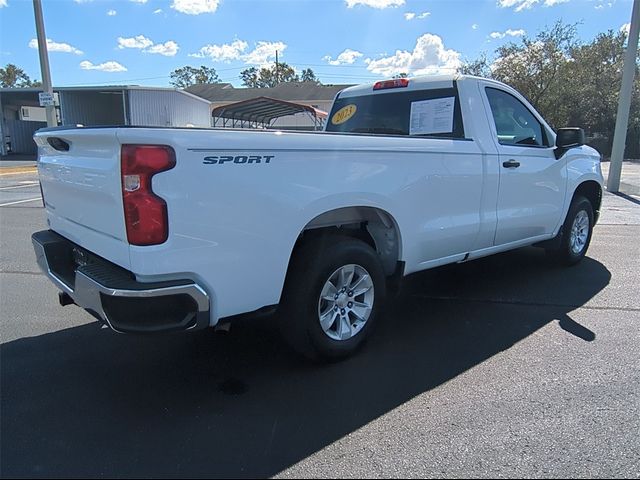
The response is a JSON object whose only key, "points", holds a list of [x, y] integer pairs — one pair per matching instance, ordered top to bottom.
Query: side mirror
{"points": [[567, 138]]}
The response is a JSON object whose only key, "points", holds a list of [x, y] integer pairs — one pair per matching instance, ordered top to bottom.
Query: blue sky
{"points": [[106, 42]]}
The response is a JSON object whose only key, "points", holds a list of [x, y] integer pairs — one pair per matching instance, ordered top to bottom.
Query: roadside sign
{"points": [[46, 99]]}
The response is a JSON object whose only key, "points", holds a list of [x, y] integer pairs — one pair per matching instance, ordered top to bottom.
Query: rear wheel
{"points": [[575, 234], [334, 291]]}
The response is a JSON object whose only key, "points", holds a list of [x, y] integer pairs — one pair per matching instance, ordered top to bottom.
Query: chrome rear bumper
{"points": [[113, 295]]}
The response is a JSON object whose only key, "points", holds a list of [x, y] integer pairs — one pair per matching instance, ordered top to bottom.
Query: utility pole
{"points": [[44, 62], [277, 73], [624, 103]]}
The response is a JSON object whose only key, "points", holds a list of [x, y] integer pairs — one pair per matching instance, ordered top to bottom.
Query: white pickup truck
{"points": [[166, 229]]}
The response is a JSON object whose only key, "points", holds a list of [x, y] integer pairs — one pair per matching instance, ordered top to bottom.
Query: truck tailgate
{"points": [[82, 189]]}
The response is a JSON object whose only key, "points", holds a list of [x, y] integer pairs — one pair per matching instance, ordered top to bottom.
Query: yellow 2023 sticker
{"points": [[344, 114]]}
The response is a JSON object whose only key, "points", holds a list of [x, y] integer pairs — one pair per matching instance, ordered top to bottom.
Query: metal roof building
{"points": [[311, 94], [21, 114]]}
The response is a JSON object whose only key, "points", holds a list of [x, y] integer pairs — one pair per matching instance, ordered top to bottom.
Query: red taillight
{"points": [[397, 83], [145, 213]]}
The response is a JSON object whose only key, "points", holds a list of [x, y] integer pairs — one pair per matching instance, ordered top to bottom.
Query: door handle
{"points": [[511, 164]]}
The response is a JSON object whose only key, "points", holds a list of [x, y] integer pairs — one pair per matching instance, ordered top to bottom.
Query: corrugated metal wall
{"points": [[92, 108], [157, 108], [20, 134]]}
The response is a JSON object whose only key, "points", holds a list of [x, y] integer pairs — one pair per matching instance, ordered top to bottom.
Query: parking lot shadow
{"points": [[84, 402]]}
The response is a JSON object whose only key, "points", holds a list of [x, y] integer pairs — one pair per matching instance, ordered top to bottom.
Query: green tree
{"points": [[479, 67], [534, 68], [308, 75], [12, 76], [186, 76], [249, 77], [267, 77], [593, 79], [570, 83], [592, 87]]}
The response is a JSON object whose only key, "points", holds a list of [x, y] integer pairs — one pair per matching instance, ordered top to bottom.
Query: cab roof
{"points": [[415, 83]]}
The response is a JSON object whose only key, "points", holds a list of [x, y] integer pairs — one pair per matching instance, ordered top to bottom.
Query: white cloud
{"points": [[83, 1], [139, 1], [3, 3], [375, 3], [518, 4], [527, 4], [603, 4], [195, 7], [159, 10], [112, 13], [411, 15], [475, 26], [625, 28], [509, 32], [139, 41], [56, 47], [168, 49], [264, 52], [222, 53], [348, 56], [429, 56], [103, 67]]}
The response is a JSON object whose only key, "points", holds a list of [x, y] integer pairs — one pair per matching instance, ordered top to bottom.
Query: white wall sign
{"points": [[46, 99]]}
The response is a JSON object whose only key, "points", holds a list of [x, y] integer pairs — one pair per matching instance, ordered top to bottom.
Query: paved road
{"points": [[629, 178], [17, 187], [503, 367]]}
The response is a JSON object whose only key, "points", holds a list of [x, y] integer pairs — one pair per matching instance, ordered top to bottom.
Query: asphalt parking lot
{"points": [[502, 367]]}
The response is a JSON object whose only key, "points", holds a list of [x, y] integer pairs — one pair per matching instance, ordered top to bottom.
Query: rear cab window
{"points": [[433, 113]]}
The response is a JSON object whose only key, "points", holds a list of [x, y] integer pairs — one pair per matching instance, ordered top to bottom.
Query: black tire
{"points": [[566, 253], [312, 265]]}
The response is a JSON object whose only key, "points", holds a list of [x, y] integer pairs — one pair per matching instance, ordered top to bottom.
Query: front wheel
{"points": [[575, 233], [334, 292]]}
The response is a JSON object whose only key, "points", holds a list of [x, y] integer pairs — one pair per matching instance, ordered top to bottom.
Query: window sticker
{"points": [[344, 114], [432, 116]]}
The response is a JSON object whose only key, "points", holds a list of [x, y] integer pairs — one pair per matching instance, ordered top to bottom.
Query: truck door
{"points": [[532, 181]]}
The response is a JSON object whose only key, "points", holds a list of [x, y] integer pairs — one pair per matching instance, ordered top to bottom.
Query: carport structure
{"points": [[260, 112]]}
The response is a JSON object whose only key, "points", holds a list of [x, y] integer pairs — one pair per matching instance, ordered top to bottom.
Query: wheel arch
{"points": [[592, 191], [374, 225]]}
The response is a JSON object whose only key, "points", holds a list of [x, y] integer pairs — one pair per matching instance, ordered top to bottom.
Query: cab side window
{"points": [[515, 124]]}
